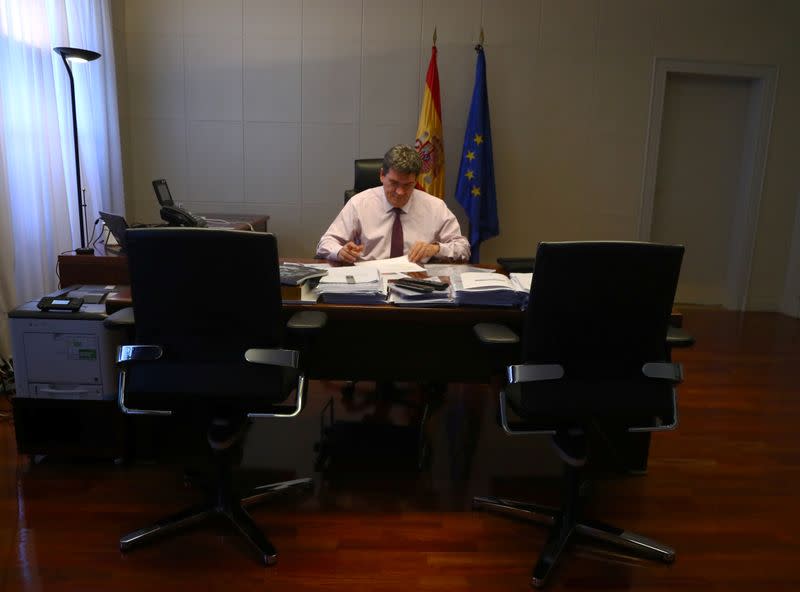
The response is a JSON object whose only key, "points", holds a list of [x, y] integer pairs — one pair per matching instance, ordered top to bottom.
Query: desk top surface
{"points": [[387, 312]]}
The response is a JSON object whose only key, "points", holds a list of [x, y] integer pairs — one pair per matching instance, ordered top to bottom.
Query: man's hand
{"points": [[422, 250], [350, 252]]}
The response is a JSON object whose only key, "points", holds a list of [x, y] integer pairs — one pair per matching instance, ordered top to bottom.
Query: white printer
{"points": [[62, 354]]}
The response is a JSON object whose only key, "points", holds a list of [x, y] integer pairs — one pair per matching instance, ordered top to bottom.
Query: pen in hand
{"points": [[350, 252]]}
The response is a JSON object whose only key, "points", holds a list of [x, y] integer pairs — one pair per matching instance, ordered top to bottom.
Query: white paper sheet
{"points": [[394, 265]]}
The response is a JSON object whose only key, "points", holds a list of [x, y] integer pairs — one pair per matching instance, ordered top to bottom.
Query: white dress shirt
{"points": [[368, 217]]}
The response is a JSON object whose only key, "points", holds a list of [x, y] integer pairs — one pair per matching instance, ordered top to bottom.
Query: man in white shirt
{"points": [[395, 219]]}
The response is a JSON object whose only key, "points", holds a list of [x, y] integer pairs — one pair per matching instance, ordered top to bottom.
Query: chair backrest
{"points": [[366, 175], [205, 296], [601, 310]]}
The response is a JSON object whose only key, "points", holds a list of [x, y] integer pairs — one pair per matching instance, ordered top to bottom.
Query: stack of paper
{"points": [[393, 265], [294, 274], [522, 283], [352, 285], [488, 289], [404, 297]]}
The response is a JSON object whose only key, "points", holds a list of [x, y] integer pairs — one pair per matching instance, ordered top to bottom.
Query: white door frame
{"points": [[745, 216], [791, 290]]}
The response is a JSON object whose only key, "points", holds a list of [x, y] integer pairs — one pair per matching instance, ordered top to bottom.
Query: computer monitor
{"points": [[162, 192]]}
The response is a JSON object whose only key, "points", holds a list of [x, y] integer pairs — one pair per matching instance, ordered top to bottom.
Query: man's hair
{"points": [[403, 159]]}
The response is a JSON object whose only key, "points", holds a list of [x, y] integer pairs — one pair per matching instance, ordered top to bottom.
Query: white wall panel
{"points": [[154, 16], [212, 17], [273, 19], [340, 19], [569, 27], [155, 75], [214, 78], [271, 79], [331, 80], [391, 91], [375, 139], [327, 162], [215, 163], [271, 163]]}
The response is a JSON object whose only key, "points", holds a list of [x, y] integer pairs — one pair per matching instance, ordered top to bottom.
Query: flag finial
{"points": [[434, 36], [480, 39]]}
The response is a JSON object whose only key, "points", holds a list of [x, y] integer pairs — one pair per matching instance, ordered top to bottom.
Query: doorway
{"points": [[706, 150]]}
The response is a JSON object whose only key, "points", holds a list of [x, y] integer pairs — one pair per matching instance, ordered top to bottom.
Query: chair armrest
{"points": [[122, 319], [307, 322], [494, 335], [678, 338], [138, 353], [127, 354], [287, 358], [671, 371], [534, 372]]}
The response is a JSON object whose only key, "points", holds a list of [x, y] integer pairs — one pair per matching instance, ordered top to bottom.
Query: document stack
{"points": [[294, 274], [298, 282], [522, 283], [352, 285], [488, 289], [404, 297]]}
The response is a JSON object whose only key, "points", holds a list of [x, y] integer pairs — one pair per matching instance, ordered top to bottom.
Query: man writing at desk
{"points": [[395, 219]]}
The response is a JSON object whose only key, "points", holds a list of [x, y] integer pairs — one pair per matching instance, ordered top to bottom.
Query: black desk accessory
{"points": [[426, 285], [60, 303]]}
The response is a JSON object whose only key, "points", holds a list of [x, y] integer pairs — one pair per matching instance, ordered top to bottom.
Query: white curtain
{"points": [[38, 206]]}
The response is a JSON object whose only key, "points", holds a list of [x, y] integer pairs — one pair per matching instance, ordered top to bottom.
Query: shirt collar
{"points": [[389, 207]]}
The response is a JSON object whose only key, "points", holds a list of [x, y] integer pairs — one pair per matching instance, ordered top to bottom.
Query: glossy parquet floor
{"points": [[723, 489]]}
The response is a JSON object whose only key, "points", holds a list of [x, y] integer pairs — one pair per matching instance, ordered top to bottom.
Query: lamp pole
{"points": [[71, 54]]}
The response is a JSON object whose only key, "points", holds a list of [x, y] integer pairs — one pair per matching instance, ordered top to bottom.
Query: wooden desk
{"points": [[108, 266], [387, 342], [391, 342], [397, 343]]}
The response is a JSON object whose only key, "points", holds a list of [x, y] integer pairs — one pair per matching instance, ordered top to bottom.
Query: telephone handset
{"points": [[179, 217]]}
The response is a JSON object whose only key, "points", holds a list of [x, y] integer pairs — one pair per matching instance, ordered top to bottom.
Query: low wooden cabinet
{"points": [[108, 266]]}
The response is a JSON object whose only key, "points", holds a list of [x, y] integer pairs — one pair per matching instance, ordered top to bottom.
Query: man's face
{"points": [[398, 186]]}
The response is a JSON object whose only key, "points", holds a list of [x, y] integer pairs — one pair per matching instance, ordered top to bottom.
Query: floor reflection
{"points": [[414, 448]]}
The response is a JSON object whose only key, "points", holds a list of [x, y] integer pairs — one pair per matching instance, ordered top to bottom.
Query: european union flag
{"points": [[475, 189]]}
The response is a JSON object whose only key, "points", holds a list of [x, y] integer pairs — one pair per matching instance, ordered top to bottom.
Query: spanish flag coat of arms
{"points": [[429, 142]]}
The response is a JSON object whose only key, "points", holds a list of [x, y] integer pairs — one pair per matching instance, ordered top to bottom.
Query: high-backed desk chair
{"points": [[366, 175], [594, 349], [208, 350]]}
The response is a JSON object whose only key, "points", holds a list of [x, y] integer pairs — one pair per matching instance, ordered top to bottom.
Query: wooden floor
{"points": [[723, 489]]}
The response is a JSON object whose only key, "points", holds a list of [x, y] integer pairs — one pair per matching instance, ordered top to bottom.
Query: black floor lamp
{"points": [[72, 55]]}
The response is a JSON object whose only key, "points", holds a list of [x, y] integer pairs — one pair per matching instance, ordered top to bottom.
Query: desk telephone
{"points": [[170, 213], [175, 216]]}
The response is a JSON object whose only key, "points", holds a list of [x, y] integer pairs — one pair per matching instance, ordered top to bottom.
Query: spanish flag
{"points": [[429, 143]]}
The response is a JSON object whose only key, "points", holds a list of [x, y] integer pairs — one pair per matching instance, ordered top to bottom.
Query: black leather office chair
{"points": [[366, 175], [594, 349], [208, 351]]}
